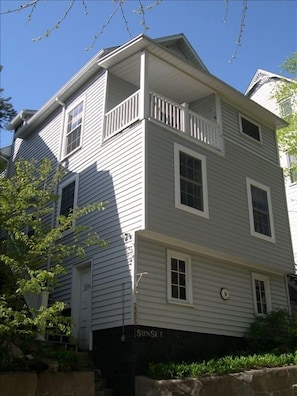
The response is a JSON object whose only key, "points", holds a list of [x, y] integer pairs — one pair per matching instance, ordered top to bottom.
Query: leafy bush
{"points": [[274, 332], [68, 360]]}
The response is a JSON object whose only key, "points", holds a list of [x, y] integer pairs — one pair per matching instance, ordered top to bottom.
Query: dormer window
{"points": [[249, 128]]}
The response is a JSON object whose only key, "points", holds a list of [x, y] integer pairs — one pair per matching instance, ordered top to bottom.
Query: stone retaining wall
{"points": [[271, 381], [76, 383]]}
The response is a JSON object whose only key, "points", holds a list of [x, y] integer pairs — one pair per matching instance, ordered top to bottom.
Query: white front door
{"points": [[84, 307]]}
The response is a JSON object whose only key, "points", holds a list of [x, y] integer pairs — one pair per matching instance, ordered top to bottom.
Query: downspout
{"points": [[58, 166]]}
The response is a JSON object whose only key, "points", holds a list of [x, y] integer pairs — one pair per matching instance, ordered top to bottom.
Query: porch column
{"points": [[144, 94]]}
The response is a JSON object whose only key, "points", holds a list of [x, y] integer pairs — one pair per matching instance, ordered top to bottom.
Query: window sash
{"points": [[74, 128], [249, 128], [190, 181], [191, 189], [68, 192], [67, 199], [260, 211], [179, 289], [261, 294]]}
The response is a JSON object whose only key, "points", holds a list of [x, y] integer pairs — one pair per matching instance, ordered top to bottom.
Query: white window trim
{"points": [[67, 111], [241, 116], [202, 158], [249, 183], [61, 186], [265, 279], [189, 290]]}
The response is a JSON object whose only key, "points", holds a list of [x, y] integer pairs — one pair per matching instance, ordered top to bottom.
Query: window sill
{"points": [[178, 302]]}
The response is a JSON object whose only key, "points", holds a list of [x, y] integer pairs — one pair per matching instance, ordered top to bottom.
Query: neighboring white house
{"points": [[262, 90], [196, 220]]}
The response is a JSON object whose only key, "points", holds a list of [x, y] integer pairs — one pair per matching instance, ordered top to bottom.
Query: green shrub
{"points": [[274, 332], [68, 360]]}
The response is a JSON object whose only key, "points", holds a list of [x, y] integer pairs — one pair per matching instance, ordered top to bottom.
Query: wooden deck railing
{"points": [[167, 112]]}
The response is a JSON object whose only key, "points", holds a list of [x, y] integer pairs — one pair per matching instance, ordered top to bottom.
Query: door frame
{"points": [[75, 297]]}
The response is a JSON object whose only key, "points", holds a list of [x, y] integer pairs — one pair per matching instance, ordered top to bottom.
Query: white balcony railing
{"points": [[167, 112], [122, 115]]}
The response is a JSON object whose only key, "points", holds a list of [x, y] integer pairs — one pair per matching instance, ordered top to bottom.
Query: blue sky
{"points": [[34, 71]]}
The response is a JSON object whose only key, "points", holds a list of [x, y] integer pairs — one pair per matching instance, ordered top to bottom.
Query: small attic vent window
{"points": [[250, 128]]}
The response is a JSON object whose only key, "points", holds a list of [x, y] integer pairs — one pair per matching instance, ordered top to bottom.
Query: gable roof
{"points": [[180, 45], [262, 77]]}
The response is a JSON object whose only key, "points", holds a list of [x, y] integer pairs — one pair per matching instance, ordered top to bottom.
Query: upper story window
{"points": [[286, 107], [74, 120], [249, 128], [190, 181], [67, 196], [260, 211], [179, 278], [261, 294]]}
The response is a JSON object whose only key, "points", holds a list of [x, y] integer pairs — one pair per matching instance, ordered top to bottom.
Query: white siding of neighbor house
{"points": [[264, 95], [291, 190], [227, 230], [209, 313]]}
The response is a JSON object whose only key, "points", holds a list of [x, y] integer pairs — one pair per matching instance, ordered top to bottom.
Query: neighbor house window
{"points": [[286, 107], [74, 128], [249, 128], [292, 165], [190, 181], [67, 196], [260, 210], [179, 278], [261, 294]]}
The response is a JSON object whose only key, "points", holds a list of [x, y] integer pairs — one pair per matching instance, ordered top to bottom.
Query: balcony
{"points": [[167, 112]]}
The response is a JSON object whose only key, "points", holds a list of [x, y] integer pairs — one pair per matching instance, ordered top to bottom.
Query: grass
{"points": [[224, 365]]}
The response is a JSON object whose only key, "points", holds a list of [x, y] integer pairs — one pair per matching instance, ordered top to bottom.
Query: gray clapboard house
{"points": [[196, 219]]}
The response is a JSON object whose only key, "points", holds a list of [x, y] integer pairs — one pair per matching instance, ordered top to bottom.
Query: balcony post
{"points": [[144, 95], [186, 119]]}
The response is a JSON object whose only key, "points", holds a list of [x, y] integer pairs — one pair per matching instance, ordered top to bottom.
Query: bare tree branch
{"points": [[241, 29]]}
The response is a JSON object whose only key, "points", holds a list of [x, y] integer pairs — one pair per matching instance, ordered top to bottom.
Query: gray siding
{"points": [[118, 90], [205, 107], [231, 130], [122, 165], [227, 230], [209, 313]]}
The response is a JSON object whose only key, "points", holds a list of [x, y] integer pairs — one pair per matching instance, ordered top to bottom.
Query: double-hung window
{"points": [[74, 122], [249, 128], [190, 181], [67, 196], [260, 210], [179, 278], [261, 294]]}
